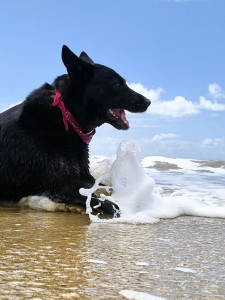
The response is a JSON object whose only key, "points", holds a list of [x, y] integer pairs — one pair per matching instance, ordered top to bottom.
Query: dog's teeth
{"points": [[112, 113]]}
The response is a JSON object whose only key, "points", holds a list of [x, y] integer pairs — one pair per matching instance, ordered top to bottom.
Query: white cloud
{"points": [[216, 91], [154, 95], [210, 105], [179, 106], [163, 136], [213, 142], [168, 144], [209, 148]]}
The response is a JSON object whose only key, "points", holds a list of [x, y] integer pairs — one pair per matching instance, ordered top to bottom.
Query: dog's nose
{"points": [[145, 101], [148, 101], [142, 103]]}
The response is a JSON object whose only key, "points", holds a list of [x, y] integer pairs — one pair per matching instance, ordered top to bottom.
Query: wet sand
{"points": [[47, 255]]}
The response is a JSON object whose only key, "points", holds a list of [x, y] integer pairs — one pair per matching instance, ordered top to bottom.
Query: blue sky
{"points": [[170, 50]]}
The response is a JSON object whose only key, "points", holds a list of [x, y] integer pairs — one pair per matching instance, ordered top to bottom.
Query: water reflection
{"points": [[40, 252], [61, 255]]}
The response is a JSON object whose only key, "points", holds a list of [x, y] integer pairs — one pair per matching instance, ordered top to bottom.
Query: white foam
{"points": [[182, 164], [185, 164], [100, 165], [141, 201], [38, 203], [45, 203], [97, 261], [141, 263], [185, 270], [130, 294]]}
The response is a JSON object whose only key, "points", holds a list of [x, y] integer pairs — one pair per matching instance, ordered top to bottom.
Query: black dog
{"points": [[44, 140]]}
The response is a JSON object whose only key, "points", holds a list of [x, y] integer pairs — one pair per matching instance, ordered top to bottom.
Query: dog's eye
{"points": [[116, 83]]}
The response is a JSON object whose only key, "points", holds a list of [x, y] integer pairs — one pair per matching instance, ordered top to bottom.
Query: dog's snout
{"points": [[147, 101], [144, 103], [141, 104]]}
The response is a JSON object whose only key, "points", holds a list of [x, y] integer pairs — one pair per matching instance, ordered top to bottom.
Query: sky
{"points": [[171, 51]]}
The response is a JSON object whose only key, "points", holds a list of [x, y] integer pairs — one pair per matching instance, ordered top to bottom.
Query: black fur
{"points": [[37, 155]]}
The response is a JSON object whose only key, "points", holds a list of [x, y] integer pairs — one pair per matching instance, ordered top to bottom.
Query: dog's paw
{"points": [[105, 206]]}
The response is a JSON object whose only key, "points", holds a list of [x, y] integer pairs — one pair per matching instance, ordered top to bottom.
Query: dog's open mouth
{"points": [[117, 118]]}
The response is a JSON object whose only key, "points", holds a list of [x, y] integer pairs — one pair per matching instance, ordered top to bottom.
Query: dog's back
{"points": [[10, 139]]}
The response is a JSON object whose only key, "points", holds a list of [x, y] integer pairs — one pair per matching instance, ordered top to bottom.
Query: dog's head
{"points": [[101, 92]]}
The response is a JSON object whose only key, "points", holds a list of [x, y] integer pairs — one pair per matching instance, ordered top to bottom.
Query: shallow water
{"points": [[46, 255]]}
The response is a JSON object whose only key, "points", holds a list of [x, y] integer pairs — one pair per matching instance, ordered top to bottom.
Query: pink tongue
{"points": [[120, 113]]}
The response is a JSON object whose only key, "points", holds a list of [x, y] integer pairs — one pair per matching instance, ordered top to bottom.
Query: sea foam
{"points": [[139, 198], [130, 294]]}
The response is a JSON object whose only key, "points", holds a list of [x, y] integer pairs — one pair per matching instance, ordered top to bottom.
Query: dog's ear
{"points": [[86, 58], [78, 69]]}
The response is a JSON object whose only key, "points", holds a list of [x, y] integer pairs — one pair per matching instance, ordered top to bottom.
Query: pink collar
{"points": [[69, 118]]}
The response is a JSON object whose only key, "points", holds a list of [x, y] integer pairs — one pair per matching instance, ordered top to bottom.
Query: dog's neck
{"points": [[68, 118]]}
